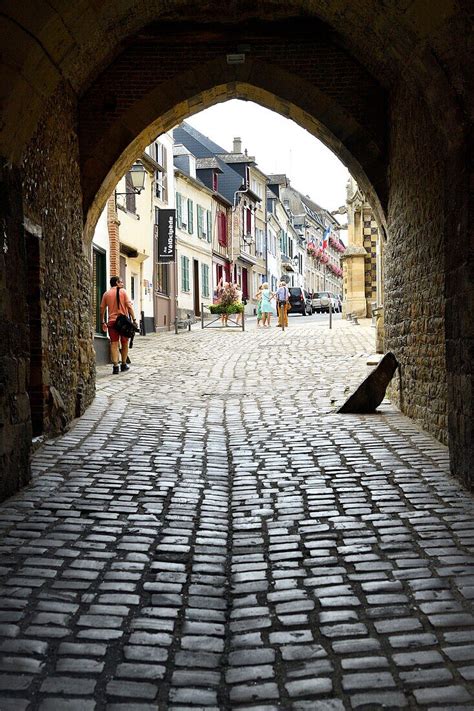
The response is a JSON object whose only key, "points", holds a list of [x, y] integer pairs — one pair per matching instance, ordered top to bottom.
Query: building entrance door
{"points": [[245, 284], [196, 288]]}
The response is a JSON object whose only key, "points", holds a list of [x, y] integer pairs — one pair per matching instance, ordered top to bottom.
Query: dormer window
{"points": [[215, 181]]}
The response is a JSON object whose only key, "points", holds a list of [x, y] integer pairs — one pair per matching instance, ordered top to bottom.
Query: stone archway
{"points": [[69, 76], [115, 155]]}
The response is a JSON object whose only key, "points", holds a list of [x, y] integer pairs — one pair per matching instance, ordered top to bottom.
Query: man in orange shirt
{"points": [[116, 301]]}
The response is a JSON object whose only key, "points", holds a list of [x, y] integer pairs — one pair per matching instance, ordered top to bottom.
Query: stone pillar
{"points": [[362, 263], [353, 267], [379, 331]]}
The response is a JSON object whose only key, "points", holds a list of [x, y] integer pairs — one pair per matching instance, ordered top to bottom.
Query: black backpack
{"points": [[124, 325]]}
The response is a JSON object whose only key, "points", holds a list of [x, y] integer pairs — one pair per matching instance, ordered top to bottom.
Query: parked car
{"points": [[321, 300], [300, 301]]}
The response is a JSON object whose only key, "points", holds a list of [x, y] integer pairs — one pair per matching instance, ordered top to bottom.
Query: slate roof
{"points": [[202, 147], [180, 150], [236, 158], [202, 163], [278, 179], [196, 180]]}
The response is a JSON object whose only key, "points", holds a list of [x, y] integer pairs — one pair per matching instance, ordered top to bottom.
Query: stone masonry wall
{"points": [[52, 199], [414, 265], [15, 422]]}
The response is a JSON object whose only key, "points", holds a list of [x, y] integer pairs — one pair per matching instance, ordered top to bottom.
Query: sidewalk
{"points": [[211, 534]]}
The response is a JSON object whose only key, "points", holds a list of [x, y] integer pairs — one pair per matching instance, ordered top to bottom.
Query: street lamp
{"points": [[137, 177]]}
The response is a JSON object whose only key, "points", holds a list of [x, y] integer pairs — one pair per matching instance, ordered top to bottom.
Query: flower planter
{"points": [[226, 309]]}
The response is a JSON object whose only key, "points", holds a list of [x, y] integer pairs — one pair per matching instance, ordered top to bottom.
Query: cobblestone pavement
{"points": [[211, 535]]}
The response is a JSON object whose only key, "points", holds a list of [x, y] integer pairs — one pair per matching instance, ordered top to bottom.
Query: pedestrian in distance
{"points": [[221, 285], [219, 290], [258, 298], [238, 300], [116, 301], [283, 302], [267, 308]]}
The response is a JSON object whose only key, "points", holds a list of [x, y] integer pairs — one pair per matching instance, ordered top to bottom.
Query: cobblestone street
{"points": [[212, 535]]}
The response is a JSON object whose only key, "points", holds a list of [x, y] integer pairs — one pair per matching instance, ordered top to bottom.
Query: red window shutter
{"points": [[249, 221], [222, 229]]}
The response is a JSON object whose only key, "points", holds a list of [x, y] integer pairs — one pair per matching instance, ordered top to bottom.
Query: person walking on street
{"points": [[221, 286], [219, 290], [258, 298], [282, 299], [238, 300], [116, 301], [267, 308]]}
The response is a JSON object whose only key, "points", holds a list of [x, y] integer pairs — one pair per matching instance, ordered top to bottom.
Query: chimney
{"points": [[237, 145]]}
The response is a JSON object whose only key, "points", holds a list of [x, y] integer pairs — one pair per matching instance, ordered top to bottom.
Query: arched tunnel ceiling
{"points": [[45, 43], [173, 69]]}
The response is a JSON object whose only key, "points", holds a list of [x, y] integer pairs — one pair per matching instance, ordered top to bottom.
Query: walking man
{"points": [[282, 298], [116, 301]]}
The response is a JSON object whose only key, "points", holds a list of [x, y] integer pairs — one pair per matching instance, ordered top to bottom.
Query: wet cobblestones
{"points": [[212, 535]]}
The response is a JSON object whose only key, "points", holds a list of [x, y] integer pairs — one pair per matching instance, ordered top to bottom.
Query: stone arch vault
{"points": [[84, 86]]}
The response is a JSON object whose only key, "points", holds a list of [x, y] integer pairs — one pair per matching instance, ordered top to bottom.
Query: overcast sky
{"points": [[279, 146]]}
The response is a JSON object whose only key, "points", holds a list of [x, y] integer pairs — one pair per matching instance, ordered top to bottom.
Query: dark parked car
{"points": [[300, 301]]}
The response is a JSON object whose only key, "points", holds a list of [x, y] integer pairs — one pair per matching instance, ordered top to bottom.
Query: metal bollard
{"points": [[330, 314], [243, 320], [176, 325]]}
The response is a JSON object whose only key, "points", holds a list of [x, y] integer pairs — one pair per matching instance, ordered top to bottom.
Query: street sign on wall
{"points": [[166, 236]]}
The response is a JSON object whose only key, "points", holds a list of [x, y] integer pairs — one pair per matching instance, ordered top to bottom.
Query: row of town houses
{"points": [[233, 222]]}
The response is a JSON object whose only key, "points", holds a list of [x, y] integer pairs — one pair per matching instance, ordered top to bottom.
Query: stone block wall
{"points": [[52, 200], [414, 265], [15, 423]]}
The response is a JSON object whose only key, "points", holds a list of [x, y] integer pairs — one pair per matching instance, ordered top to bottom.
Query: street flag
{"points": [[166, 233], [326, 234]]}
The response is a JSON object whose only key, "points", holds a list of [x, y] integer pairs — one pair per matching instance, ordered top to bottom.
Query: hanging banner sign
{"points": [[166, 236]]}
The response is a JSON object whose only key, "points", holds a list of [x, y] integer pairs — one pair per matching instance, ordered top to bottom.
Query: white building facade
{"points": [[194, 237]]}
